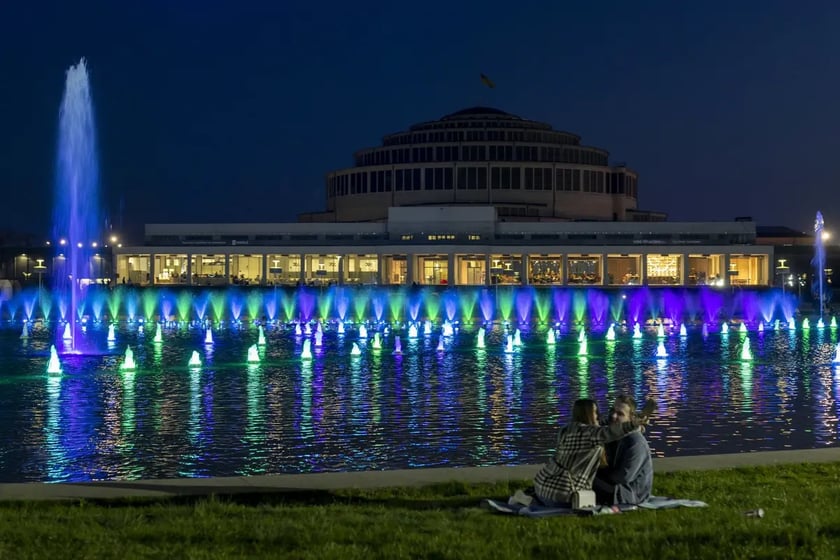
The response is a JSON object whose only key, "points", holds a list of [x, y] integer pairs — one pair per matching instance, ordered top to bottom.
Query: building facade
{"points": [[484, 156], [463, 246]]}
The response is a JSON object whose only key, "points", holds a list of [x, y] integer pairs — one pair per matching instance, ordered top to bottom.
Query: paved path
{"points": [[371, 479]]}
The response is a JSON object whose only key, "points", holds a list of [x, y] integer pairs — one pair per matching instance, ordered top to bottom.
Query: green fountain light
{"points": [[746, 353], [253, 354], [128, 363], [54, 365]]}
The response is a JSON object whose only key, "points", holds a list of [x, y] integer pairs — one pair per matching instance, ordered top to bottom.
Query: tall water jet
{"points": [[76, 215], [819, 262], [610, 333], [112, 334], [261, 336], [550, 338], [479, 343], [660, 350], [195, 360]]}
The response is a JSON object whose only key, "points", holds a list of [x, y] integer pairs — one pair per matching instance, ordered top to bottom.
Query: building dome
{"points": [[483, 156]]}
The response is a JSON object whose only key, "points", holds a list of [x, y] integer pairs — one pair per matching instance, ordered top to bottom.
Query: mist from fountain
{"points": [[76, 213]]}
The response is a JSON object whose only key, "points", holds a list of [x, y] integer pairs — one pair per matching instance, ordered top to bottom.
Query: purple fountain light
{"points": [[76, 214]]}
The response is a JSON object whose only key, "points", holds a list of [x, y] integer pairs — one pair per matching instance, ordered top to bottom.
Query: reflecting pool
{"points": [[382, 395]]}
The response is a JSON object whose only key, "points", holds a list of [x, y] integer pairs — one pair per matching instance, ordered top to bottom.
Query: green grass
{"points": [[802, 520]]}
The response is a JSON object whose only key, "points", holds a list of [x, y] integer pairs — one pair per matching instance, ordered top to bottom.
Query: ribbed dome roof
{"points": [[478, 111]]}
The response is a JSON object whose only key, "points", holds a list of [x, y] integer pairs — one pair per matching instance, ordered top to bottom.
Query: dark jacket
{"points": [[628, 478]]}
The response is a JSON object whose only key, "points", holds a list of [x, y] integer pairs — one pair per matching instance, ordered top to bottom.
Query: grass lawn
{"points": [[802, 520]]}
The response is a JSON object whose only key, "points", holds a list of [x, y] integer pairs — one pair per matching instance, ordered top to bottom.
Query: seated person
{"points": [[580, 447], [628, 476]]}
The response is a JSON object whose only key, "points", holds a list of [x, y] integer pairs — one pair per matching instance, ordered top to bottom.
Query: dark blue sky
{"points": [[234, 111]]}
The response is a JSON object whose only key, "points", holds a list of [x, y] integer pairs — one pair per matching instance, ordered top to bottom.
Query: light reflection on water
{"points": [[462, 406]]}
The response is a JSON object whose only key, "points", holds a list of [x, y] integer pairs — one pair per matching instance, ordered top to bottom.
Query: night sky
{"points": [[233, 111]]}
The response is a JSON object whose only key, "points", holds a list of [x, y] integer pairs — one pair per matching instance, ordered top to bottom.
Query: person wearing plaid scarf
{"points": [[580, 448]]}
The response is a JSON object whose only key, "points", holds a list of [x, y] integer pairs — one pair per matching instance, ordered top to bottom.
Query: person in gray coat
{"points": [[628, 476]]}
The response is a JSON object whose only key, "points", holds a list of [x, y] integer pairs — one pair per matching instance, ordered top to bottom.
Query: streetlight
{"points": [[40, 268], [781, 270]]}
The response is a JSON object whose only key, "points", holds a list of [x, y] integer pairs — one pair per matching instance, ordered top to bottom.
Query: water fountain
{"points": [[76, 215], [819, 262], [261, 336], [482, 347], [583, 348], [306, 351], [746, 353], [253, 354], [128, 362], [54, 365]]}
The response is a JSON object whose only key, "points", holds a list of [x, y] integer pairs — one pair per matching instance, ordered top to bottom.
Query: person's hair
{"points": [[628, 400], [584, 410]]}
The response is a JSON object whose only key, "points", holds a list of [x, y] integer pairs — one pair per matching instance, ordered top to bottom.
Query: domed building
{"points": [[484, 156]]}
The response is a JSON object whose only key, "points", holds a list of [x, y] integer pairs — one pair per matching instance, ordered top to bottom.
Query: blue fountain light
{"points": [[76, 214]]}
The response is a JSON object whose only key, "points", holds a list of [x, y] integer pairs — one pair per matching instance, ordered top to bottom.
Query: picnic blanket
{"points": [[538, 510]]}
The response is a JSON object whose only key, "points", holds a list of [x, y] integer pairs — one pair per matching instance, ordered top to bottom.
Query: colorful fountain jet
{"points": [[128, 363]]}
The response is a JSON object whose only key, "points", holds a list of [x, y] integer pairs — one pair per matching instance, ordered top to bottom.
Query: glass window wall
{"points": [[133, 269], [171, 269], [246, 269], [283, 269], [361, 269], [396, 269], [434, 269], [506, 269], [545, 269], [585, 269], [207, 270], [321, 270], [471, 270], [623, 270], [664, 270], [705, 270], [748, 270]]}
